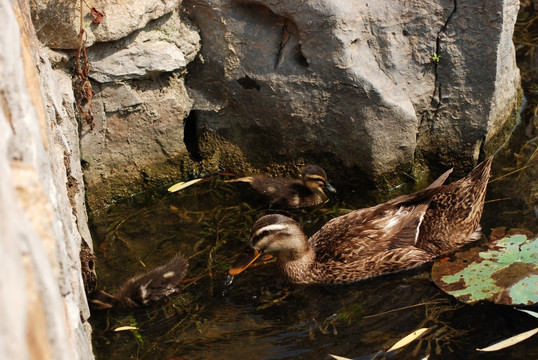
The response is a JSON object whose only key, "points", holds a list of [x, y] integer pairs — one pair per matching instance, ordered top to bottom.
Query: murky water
{"points": [[260, 317]]}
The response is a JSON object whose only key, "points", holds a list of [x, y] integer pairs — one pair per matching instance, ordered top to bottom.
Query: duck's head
{"points": [[316, 180], [272, 234]]}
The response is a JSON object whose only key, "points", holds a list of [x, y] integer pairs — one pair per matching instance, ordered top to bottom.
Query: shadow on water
{"points": [[260, 317]]}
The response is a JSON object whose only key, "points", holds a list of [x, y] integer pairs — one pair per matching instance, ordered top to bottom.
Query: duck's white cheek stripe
{"points": [[274, 227]]}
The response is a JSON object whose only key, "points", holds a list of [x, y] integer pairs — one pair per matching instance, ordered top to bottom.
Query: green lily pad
{"points": [[506, 273]]}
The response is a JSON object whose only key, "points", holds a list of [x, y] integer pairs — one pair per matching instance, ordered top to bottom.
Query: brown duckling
{"points": [[292, 193], [399, 234], [143, 288]]}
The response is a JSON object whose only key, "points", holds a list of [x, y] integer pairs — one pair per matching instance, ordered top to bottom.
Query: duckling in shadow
{"points": [[292, 193], [402, 233], [144, 288]]}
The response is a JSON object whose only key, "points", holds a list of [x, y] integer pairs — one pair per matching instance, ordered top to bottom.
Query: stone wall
{"points": [[138, 55], [369, 90], [43, 224]]}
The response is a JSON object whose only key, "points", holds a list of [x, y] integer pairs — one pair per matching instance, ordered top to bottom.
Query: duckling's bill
{"points": [[330, 188], [243, 261]]}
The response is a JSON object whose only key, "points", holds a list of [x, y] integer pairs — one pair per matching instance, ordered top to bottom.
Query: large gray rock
{"points": [[58, 22], [353, 85], [43, 223]]}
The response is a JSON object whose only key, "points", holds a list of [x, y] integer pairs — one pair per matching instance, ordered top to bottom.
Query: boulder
{"points": [[164, 45], [366, 89]]}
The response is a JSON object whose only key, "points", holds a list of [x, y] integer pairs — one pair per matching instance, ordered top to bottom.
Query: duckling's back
{"points": [[284, 193], [154, 284]]}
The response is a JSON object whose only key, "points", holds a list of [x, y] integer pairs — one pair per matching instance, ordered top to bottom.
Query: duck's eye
{"points": [[260, 236]]}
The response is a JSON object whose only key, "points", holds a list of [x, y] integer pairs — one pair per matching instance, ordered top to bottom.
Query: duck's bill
{"points": [[330, 188], [243, 261]]}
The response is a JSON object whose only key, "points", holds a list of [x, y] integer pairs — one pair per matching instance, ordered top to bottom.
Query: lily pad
{"points": [[506, 273]]}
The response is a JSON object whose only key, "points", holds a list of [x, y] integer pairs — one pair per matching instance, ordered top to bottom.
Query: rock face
{"points": [[58, 22], [370, 87], [369, 90], [139, 108], [43, 223]]}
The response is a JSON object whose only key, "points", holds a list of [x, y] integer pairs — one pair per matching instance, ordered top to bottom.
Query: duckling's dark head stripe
{"points": [[316, 178]]}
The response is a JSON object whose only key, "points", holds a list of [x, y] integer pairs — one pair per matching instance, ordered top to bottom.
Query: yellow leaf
{"points": [[182, 185], [532, 313], [123, 328], [408, 339], [510, 341], [339, 357]]}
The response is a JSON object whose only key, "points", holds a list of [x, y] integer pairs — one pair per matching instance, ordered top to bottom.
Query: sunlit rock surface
{"points": [[57, 22], [369, 86], [139, 108], [43, 224]]}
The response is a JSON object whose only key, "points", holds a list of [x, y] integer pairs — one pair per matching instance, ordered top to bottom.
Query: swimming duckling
{"points": [[292, 193], [399, 234], [143, 288]]}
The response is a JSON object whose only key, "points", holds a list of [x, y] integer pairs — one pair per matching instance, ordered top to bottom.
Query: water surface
{"points": [[260, 317]]}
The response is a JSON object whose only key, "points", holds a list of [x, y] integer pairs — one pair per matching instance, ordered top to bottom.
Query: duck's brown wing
{"points": [[368, 231], [376, 264]]}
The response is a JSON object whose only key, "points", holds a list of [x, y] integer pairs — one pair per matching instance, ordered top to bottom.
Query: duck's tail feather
{"points": [[453, 218]]}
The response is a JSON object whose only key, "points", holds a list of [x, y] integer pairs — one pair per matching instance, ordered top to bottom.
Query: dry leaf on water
{"points": [[182, 185], [124, 328], [408, 339], [510, 341], [339, 357]]}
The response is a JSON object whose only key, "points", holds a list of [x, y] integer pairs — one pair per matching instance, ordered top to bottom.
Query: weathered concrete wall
{"points": [[43, 223]]}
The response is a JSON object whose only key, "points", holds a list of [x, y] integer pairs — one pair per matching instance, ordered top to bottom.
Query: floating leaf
{"points": [[182, 185], [507, 273], [531, 313], [124, 328], [408, 339], [510, 341], [339, 357]]}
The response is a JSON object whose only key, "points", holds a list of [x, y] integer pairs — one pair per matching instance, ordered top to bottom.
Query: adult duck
{"points": [[399, 234]]}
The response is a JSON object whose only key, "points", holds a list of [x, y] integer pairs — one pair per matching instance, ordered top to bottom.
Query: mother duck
{"points": [[399, 234]]}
